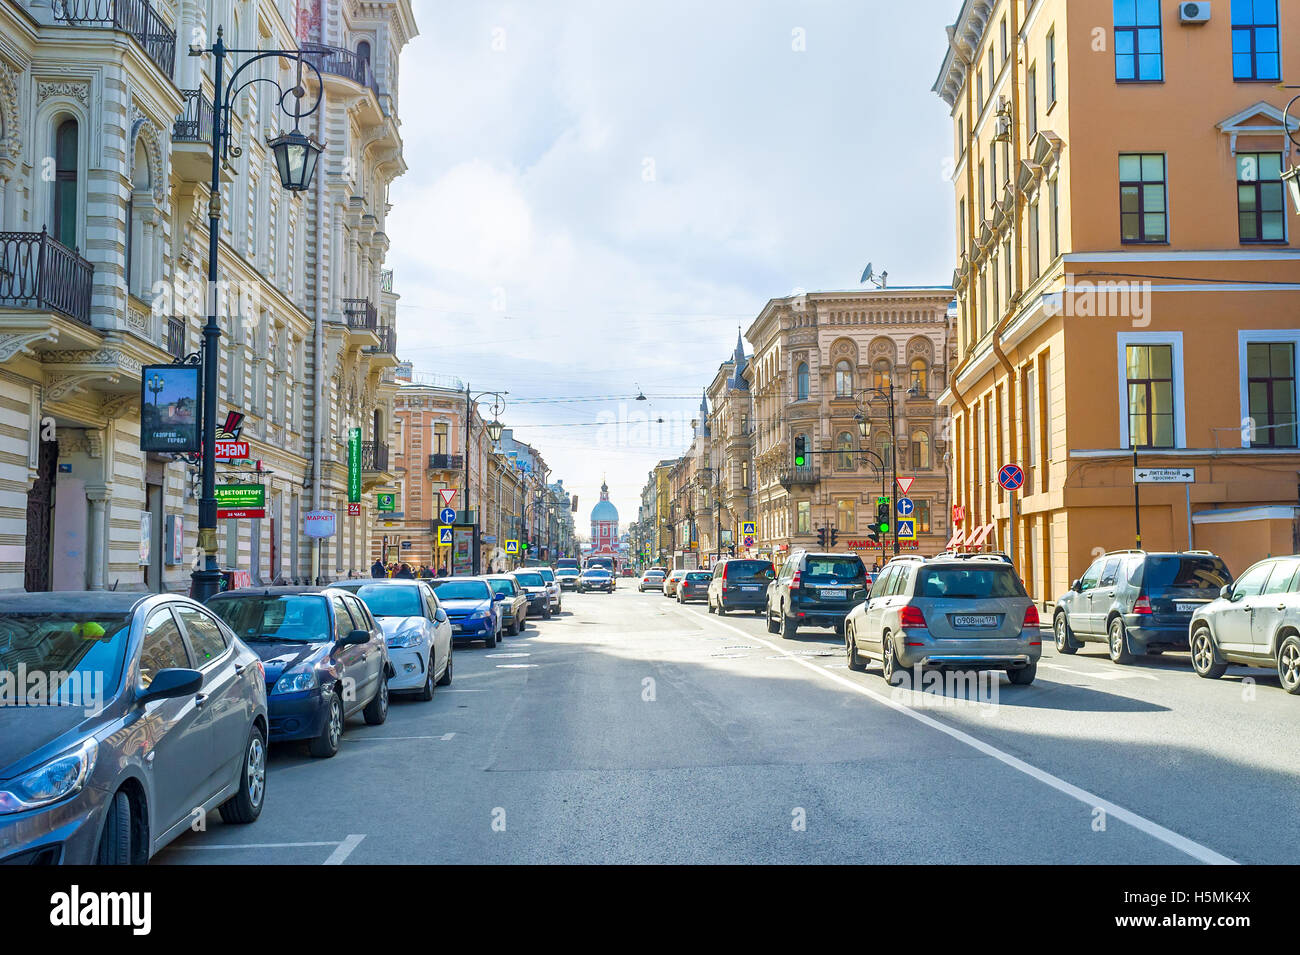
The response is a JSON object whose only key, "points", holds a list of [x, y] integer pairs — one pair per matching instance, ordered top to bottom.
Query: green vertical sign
{"points": [[354, 466]]}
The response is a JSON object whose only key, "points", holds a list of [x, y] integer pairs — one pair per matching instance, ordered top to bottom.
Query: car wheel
{"points": [[708, 604], [722, 609], [546, 614], [771, 623], [789, 626], [514, 628], [490, 640], [1065, 642], [1117, 642], [851, 649], [1203, 656], [1288, 664], [889, 665], [446, 674], [1024, 675], [426, 691], [376, 711], [327, 743], [246, 804], [115, 841]]}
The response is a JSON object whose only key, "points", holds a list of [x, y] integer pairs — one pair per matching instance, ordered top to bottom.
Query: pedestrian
{"points": [[377, 568], [442, 571], [404, 572], [425, 572]]}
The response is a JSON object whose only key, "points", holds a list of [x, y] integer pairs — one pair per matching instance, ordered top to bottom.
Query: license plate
{"points": [[749, 588], [834, 594], [1186, 608], [974, 620], [457, 628]]}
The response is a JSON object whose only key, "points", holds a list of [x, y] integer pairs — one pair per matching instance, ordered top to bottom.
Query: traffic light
{"points": [[800, 449], [882, 514], [873, 532], [834, 535], [821, 536]]}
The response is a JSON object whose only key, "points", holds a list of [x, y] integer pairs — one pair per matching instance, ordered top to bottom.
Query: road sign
{"points": [[1164, 475], [1011, 477], [905, 483], [448, 495], [905, 506], [447, 515], [748, 529], [907, 529], [445, 536], [749, 541], [512, 547]]}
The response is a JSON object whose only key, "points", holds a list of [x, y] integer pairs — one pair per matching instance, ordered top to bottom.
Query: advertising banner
{"points": [[169, 408], [354, 466], [240, 500]]}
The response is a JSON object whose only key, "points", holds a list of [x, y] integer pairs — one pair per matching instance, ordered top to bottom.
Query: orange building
{"points": [[1126, 277]]}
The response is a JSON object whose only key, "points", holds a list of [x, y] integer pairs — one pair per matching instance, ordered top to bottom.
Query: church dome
{"points": [[604, 511]]}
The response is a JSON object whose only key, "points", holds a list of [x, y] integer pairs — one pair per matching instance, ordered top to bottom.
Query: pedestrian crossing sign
{"points": [[749, 529], [907, 529], [444, 536], [512, 547]]}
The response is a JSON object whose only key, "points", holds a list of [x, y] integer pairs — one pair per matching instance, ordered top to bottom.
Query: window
{"points": [[1004, 39], [1254, 40], [1138, 56], [1051, 67], [979, 88], [1031, 107], [961, 135], [993, 171], [65, 183], [983, 192], [1142, 197], [1261, 215], [1054, 219], [961, 226], [1034, 241], [880, 374], [920, 376], [801, 379], [843, 379], [1270, 385], [1150, 395], [1031, 417], [439, 439], [844, 445], [884, 449], [920, 451], [744, 474], [921, 515], [803, 517], [845, 519], [1091, 576], [1251, 582], [1279, 582], [343, 624], [205, 635], [163, 648]]}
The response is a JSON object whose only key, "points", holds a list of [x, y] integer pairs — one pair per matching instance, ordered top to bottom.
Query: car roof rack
{"points": [[1125, 550], [1199, 551], [1000, 556]]}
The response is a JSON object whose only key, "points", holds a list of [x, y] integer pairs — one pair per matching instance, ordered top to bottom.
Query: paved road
{"points": [[633, 729]]}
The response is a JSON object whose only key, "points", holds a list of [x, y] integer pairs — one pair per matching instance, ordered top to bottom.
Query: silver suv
{"points": [[965, 612], [1254, 622]]}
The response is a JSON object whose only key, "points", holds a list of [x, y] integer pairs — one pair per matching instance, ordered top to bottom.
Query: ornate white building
{"points": [[104, 167]]}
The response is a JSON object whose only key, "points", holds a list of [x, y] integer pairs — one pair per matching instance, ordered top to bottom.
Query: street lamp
{"points": [[295, 157], [1292, 176], [494, 431]]}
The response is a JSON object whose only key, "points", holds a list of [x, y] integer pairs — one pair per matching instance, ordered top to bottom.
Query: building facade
{"points": [[1126, 280]]}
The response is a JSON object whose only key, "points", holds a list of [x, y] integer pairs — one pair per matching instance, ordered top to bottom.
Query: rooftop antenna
{"points": [[870, 276]]}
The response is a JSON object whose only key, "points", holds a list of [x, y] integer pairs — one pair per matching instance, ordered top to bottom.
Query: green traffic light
{"points": [[884, 527]]}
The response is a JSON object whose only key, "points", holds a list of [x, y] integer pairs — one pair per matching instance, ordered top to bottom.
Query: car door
{"points": [[1102, 597], [1274, 604], [876, 607], [1079, 612], [1234, 629], [441, 630], [377, 647], [355, 672], [227, 702], [180, 752]]}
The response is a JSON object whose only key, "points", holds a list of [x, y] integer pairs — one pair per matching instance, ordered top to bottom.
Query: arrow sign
{"points": [[1164, 475], [905, 484], [448, 495], [905, 506], [447, 515], [444, 535]]}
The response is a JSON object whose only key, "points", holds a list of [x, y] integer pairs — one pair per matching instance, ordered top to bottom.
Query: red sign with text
{"points": [[230, 450], [354, 508]]}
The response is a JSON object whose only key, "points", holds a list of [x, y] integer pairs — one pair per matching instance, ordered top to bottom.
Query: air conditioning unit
{"points": [[1194, 11]]}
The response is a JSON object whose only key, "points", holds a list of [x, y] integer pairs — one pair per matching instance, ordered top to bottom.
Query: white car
{"points": [[651, 580], [552, 588], [416, 629]]}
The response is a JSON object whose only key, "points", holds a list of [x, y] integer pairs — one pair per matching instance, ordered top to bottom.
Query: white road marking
{"points": [[516, 666], [1122, 675], [446, 736], [383, 739], [1092, 801], [259, 845], [345, 848]]}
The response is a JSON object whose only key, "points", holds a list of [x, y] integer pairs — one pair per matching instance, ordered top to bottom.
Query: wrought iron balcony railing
{"points": [[136, 17], [341, 62], [194, 125], [41, 273], [360, 314], [176, 337], [387, 340], [374, 456], [446, 462], [798, 477]]}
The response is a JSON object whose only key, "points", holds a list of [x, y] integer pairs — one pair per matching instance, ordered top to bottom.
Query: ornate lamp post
{"points": [[295, 157], [1292, 175], [155, 386], [493, 431]]}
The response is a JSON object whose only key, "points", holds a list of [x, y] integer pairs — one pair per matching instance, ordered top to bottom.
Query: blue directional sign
{"points": [[905, 506], [447, 515], [907, 529], [445, 535]]}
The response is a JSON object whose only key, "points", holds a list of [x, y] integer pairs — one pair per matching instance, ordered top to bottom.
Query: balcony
{"points": [[136, 17], [337, 61], [192, 138], [39, 273], [360, 315], [176, 338], [385, 352], [374, 456], [446, 462], [798, 477]]}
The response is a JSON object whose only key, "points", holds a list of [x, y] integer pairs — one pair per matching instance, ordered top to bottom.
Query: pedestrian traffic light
{"points": [[800, 449], [882, 514], [873, 532], [834, 535], [821, 536]]}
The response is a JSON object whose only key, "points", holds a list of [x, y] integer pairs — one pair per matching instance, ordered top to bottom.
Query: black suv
{"points": [[739, 583], [815, 590], [1137, 602]]}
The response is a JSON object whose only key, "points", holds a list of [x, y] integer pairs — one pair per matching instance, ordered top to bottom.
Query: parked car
{"points": [[568, 577], [597, 578], [651, 580], [671, 582], [739, 583], [694, 586], [552, 588], [535, 589], [814, 590], [513, 602], [1137, 602], [471, 607], [946, 612], [1254, 622], [418, 632], [325, 655], [159, 711]]}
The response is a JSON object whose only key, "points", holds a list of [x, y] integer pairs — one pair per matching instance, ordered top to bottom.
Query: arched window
{"points": [[363, 51], [65, 183], [137, 275], [880, 374], [920, 377], [843, 379], [801, 380], [844, 445], [885, 450], [920, 450]]}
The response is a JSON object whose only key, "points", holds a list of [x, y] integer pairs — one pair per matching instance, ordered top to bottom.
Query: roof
{"points": [[604, 511]]}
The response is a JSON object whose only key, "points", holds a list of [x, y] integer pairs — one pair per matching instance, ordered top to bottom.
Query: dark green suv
{"points": [[815, 590]]}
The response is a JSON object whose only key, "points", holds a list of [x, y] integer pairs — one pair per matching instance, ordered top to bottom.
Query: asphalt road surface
{"points": [[632, 729]]}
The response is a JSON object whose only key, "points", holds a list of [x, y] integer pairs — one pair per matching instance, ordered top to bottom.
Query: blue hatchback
{"points": [[470, 606]]}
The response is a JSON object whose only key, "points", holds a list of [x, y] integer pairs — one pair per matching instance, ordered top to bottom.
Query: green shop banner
{"points": [[354, 466], [240, 500]]}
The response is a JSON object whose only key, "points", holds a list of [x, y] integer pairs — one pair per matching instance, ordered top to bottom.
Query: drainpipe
{"points": [[320, 375]]}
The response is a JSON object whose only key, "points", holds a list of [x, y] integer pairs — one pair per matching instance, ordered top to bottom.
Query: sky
{"points": [[600, 194]]}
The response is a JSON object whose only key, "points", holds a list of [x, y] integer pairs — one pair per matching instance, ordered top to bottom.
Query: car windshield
{"points": [[841, 568], [742, 570], [1177, 572], [596, 573], [547, 575], [530, 580], [969, 583], [502, 587], [452, 589], [386, 600], [276, 618], [63, 656]]}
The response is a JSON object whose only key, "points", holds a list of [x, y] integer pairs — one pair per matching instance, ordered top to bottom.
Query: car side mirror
{"points": [[1077, 587], [1226, 591], [500, 597], [440, 616], [355, 638], [170, 683]]}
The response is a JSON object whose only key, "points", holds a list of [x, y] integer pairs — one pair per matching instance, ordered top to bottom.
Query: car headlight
{"points": [[480, 615], [407, 638], [296, 680], [56, 779]]}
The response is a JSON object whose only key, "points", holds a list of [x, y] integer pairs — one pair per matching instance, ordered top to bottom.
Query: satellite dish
{"points": [[867, 274]]}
